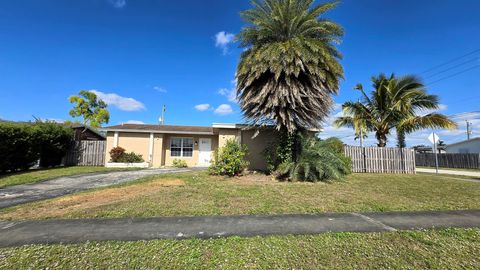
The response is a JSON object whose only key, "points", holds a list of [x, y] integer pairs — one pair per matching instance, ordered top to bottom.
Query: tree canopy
{"points": [[290, 66], [400, 103], [90, 108]]}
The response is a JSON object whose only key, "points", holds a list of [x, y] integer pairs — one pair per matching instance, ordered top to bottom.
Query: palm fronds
{"points": [[290, 67], [394, 103], [317, 161]]}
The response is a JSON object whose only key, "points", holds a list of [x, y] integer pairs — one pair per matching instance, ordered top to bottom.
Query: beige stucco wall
{"points": [[226, 134], [135, 142], [109, 145], [257, 145]]}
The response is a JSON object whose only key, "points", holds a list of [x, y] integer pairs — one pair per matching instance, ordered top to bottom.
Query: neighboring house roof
{"points": [[82, 127], [161, 129], [463, 142]]}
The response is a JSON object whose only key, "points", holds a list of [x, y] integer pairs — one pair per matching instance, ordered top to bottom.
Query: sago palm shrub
{"points": [[318, 160]]}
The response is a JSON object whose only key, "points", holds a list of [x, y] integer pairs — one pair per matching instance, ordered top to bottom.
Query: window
{"points": [[181, 147]]}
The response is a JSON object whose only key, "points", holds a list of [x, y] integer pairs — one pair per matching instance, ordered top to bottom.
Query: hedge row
{"points": [[23, 144]]}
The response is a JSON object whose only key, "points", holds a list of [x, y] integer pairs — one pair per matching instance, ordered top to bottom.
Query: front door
{"points": [[204, 151]]}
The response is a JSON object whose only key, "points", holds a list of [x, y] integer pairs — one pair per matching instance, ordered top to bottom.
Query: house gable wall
{"points": [[472, 146]]}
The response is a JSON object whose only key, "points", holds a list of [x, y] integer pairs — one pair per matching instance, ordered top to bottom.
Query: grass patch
{"points": [[39, 175], [197, 193], [444, 249]]}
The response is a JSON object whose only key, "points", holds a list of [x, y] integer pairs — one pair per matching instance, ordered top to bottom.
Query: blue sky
{"points": [[141, 54]]}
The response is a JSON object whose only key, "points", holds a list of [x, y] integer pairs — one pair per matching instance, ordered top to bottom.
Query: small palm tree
{"points": [[290, 66], [395, 103]]}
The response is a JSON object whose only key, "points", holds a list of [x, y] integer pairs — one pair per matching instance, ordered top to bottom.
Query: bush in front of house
{"points": [[23, 144], [118, 155], [131, 158], [230, 159], [317, 160], [179, 163]]}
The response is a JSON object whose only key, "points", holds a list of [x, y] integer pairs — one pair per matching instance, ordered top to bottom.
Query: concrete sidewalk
{"points": [[450, 172], [19, 194], [81, 230]]}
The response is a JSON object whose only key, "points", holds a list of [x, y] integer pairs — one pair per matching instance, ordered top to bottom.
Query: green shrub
{"points": [[54, 141], [23, 144], [19, 147], [279, 152], [116, 153], [130, 158], [230, 159], [317, 160], [179, 163]]}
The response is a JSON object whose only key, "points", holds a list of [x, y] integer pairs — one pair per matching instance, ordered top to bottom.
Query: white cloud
{"points": [[118, 3], [222, 39], [160, 89], [230, 94], [122, 103], [202, 107], [224, 109], [134, 122]]}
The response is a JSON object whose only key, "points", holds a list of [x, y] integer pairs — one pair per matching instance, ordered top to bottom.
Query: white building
{"points": [[467, 146]]}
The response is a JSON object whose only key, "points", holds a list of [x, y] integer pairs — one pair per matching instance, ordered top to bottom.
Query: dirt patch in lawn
{"points": [[247, 179], [88, 200]]}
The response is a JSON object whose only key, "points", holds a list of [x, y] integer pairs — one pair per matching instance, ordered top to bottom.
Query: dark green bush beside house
{"points": [[54, 143], [23, 144], [230, 159], [317, 160]]}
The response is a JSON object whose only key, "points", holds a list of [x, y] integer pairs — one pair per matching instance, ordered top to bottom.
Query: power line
{"points": [[450, 61], [454, 67], [453, 75], [464, 114]]}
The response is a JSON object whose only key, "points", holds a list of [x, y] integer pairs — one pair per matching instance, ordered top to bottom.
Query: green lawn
{"points": [[33, 176], [197, 193], [444, 249]]}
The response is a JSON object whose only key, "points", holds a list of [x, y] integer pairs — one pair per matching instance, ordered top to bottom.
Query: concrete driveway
{"points": [[15, 195]]}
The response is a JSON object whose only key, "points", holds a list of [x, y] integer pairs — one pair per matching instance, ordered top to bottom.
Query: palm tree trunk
{"points": [[382, 139], [401, 139]]}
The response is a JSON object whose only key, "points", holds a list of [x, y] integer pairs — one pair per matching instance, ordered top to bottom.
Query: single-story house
{"points": [[159, 145], [467, 146]]}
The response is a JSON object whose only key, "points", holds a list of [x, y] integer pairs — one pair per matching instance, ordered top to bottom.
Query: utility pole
{"points": [[163, 115], [469, 129]]}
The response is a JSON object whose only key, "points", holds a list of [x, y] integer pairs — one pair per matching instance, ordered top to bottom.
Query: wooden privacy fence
{"points": [[86, 153], [381, 159], [449, 160]]}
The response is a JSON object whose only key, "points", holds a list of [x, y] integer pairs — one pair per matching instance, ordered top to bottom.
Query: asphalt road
{"points": [[81, 230]]}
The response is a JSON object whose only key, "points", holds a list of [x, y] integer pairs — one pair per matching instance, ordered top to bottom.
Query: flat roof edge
{"points": [[157, 131]]}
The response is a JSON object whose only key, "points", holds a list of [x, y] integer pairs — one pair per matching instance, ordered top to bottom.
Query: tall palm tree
{"points": [[290, 66], [395, 103]]}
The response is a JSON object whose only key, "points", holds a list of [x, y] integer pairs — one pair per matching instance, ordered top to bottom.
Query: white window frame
{"points": [[181, 147]]}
